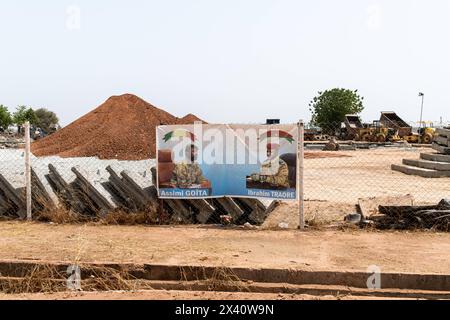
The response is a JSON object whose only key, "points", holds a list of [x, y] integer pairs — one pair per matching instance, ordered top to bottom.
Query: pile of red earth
{"points": [[122, 128]]}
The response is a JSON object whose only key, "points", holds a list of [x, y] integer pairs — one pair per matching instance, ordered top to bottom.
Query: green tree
{"points": [[330, 107], [22, 115], [5, 118], [46, 120]]}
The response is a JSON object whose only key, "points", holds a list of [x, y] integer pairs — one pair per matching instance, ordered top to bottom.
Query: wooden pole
{"points": [[28, 169], [300, 174]]}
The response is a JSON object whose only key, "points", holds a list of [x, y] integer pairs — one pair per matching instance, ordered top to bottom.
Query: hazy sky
{"points": [[228, 61]]}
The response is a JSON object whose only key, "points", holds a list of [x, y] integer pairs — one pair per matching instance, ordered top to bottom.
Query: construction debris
{"points": [[332, 145], [368, 207], [435, 217], [354, 218], [226, 220]]}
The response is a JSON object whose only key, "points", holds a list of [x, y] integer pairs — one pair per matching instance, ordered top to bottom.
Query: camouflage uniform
{"points": [[185, 175], [279, 178]]}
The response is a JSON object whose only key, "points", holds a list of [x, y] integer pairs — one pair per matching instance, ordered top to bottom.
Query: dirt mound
{"points": [[190, 119], [124, 128]]}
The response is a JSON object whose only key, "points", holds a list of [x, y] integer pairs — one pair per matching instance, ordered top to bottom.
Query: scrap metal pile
{"points": [[436, 217]]}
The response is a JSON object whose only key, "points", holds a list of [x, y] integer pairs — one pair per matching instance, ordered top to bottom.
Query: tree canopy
{"points": [[330, 107], [24, 114], [5, 118], [43, 118], [46, 120]]}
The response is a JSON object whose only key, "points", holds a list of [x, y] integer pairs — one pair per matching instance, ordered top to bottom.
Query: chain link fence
{"points": [[350, 164], [341, 169]]}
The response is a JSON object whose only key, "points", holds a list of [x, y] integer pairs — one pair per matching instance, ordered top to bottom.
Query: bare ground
{"points": [[401, 252], [179, 295]]}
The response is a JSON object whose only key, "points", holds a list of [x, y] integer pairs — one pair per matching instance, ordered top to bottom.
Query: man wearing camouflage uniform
{"points": [[274, 170], [187, 175]]}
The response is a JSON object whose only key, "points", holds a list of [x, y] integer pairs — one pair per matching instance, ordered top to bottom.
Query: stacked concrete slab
{"points": [[441, 142], [430, 165], [12, 184], [94, 187]]}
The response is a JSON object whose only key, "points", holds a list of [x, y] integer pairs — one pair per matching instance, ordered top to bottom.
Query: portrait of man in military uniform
{"points": [[274, 172], [188, 173]]}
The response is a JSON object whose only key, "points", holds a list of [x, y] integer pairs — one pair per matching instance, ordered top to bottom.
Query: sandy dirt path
{"points": [[404, 252], [179, 295]]}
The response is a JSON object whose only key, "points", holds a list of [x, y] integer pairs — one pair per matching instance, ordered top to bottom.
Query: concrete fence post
{"points": [[28, 169], [300, 174]]}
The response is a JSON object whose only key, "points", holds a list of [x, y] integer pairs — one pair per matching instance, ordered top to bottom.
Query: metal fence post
{"points": [[28, 168], [300, 174]]}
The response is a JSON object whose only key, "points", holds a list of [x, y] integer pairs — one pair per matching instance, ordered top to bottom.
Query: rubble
{"points": [[332, 145], [368, 207], [435, 217], [354, 218]]}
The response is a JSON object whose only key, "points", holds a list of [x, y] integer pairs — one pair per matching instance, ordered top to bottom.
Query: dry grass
{"points": [[60, 216], [118, 217], [125, 218], [221, 278], [40, 279], [50, 279], [108, 279]]}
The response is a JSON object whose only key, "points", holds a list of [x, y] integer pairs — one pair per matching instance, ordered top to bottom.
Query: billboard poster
{"points": [[210, 161]]}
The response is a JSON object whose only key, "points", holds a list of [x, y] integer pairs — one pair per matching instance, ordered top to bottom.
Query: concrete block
{"points": [[443, 132], [443, 141], [441, 149], [435, 157], [432, 165], [40, 169], [421, 172], [93, 188], [118, 188], [66, 190], [14, 196], [40, 196], [231, 208], [205, 210], [180, 213]]}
